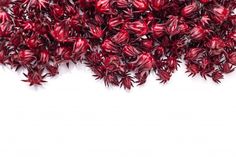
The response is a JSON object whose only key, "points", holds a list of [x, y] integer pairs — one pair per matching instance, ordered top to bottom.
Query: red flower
{"points": [[140, 4], [158, 4], [103, 6], [189, 10], [220, 13], [138, 27], [158, 30], [60, 32], [197, 33], [121, 37], [122, 41], [80, 46], [109, 46], [130, 51], [193, 53], [25, 57], [44, 57], [232, 58], [145, 62], [35, 77]]}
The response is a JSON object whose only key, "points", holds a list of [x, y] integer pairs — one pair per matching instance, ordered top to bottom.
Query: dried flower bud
{"points": [[122, 3], [140, 4], [157, 4], [103, 6], [57, 10], [189, 10], [220, 13], [3, 16], [114, 22], [172, 25], [139, 28], [5, 29], [158, 30], [96, 31], [60, 32], [197, 33], [121, 37], [32, 42], [215, 43], [147, 44], [80, 46], [109, 46], [130, 51], [159, 51], [193, 53], [62, 54], [25, 57], [44, 57], [232, 58], [111, 62], [145, 62], [173, 63], [227, 68], [193, 69], [52, 70], [164, 76], [217, 76], [35, 77], [111, 79], [127, 82]]}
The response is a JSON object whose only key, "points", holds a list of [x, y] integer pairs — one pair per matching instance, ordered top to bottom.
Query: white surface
{"points": [[75, 116]]}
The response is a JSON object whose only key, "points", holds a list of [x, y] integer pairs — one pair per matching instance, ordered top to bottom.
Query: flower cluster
{"points": [[122, 41]]}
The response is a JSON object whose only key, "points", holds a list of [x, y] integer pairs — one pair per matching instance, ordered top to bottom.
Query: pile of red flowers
{"points": [[122, 41]]}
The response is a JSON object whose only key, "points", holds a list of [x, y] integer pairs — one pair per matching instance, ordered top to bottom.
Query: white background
{"points": [[74, 115]]}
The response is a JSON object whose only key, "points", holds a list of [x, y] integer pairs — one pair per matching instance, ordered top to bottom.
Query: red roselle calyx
{"points": [[122, 41]]}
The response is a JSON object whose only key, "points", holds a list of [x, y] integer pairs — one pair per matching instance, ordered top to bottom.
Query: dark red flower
{"points": [[38, 3], [122, 3], [140, 4], [158, 4], [103, 6], [189, 10], [220, 13], [172, 25], [138, 27], [158, 30], [60, 32], [197, 33], [121, 37], [121, 41], [80, 46], [109, 46], [130, 51], [193, 53], [25, 57], [44, 57], [232, 58], [145, 62], [193, 69], [164, 76], [217, 76], [35, 77]]}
